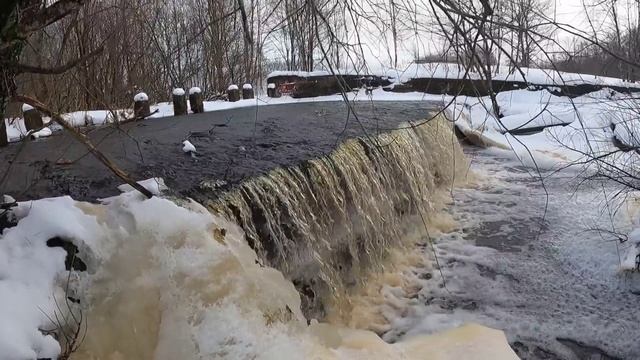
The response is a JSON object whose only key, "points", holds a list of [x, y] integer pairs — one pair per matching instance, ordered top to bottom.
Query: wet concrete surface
{"points": [[232, 145]]}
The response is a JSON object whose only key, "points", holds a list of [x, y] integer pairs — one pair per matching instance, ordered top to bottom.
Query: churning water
{"points": [[550, 281]]}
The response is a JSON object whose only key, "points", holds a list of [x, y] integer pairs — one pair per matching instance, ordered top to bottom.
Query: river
{"points": [[549, 280]]}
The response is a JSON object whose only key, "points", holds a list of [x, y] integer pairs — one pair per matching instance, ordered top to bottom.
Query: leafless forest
{"points": [[85, 54]]}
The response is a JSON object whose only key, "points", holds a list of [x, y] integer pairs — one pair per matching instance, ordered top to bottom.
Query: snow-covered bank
{"points": [[438, 70], [594, 136], [181, 289]]}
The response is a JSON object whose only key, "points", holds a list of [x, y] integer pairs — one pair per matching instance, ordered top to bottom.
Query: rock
{"points": [[72, 261]]}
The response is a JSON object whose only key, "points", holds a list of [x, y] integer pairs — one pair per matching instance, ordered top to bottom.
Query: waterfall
{"points": [[327, 222], [242, 274]]}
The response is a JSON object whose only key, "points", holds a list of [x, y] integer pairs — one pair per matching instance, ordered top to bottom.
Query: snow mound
{"points": [[232, 87], [247, 87], [195, 90], [178, 92], [141, 97], [44, 132], [30, 281]]}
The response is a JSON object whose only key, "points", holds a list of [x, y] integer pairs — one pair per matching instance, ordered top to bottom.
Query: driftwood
{"points": [[85, 141]]}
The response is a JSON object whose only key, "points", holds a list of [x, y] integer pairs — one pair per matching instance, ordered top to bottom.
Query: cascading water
{"points": [[328, 222], [169, 279]]}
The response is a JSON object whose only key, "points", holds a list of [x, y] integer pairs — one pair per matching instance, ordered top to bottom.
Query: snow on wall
{"points": [[547, 77]]}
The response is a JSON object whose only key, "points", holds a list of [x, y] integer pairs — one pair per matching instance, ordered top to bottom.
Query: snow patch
{"points": [[271, 86], [232, 87], [247, 87], [195, 90], [178, 92], [141, 97], [26, 107], [44, 132], [155, 186]]}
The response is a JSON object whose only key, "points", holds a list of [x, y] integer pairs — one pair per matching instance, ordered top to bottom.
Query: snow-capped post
{"points": [[247, 91], [272, 91], [233, 93], [195, 100], [179, 102], [141, 107], [32, 118]]}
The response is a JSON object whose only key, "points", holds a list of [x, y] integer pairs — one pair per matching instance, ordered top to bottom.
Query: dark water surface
{"points": [[231, 144]]}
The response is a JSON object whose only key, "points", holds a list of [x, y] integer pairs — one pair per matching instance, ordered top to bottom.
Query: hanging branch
{"points": [[85, 141]]}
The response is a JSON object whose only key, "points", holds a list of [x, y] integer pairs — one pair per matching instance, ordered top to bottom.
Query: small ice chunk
{"points": [[247, 86], [271, 86], [232, 87], [195, 90], [178, 92], [141, 97], [26, 107], [44, 132], [188, 147], [154, 185]]}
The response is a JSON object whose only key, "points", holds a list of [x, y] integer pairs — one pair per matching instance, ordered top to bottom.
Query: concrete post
{"points": [[247, 91], [272, 91], [233, 93], [195, 100], [179, 102], [141, 108], [32, 118]]}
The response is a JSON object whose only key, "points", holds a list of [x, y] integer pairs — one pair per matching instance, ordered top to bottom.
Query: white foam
{"points": [[558, 282]]}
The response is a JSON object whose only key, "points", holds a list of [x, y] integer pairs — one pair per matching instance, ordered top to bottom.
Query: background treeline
{"points": [[155, 45], [98, 53]]}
